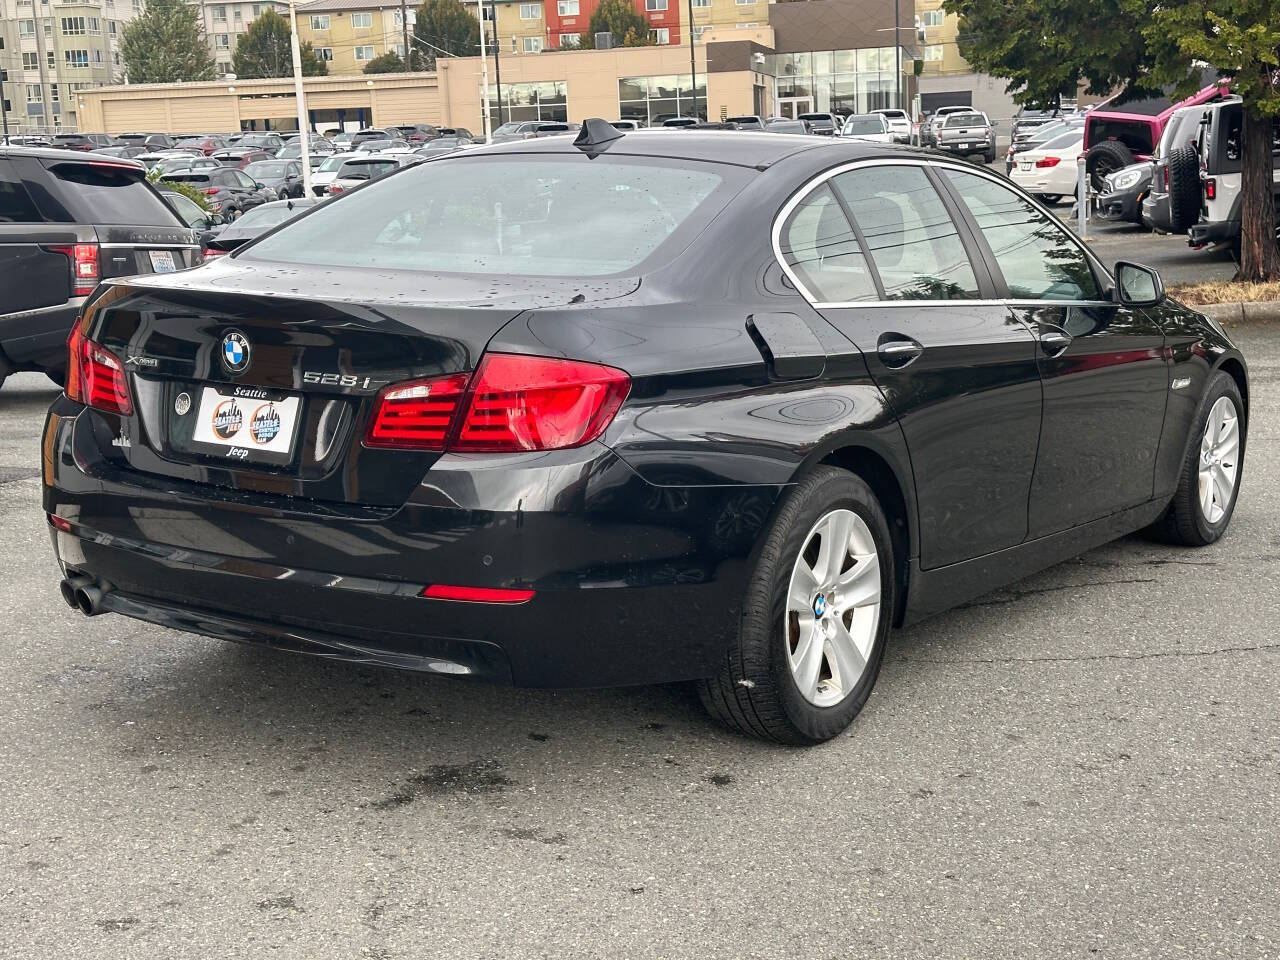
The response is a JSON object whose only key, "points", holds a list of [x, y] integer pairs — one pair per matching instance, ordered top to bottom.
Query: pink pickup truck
{"points": [[1115, 137]]}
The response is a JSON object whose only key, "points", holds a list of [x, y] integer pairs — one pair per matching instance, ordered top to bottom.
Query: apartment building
{"points": [[224, 22], [347, 34], [49, 51], [946, 77]]}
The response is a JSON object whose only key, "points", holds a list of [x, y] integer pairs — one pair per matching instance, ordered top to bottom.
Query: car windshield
{"points": [[966, 120], [860, 125], [331, 164], [266, 169], [500, 215]]}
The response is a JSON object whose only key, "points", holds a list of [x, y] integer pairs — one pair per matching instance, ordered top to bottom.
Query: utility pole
{"points": [[404, 26], [897, 52], [497, 67], [693, 67], [484, 77], [4, 114], [304, 126]]}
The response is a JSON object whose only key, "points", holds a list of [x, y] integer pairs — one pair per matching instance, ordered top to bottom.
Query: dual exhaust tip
{"points": [[85, 593]]}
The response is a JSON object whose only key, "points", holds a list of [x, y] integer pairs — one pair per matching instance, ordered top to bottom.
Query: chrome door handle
{"points": [[1053, 342], [899, 353]]}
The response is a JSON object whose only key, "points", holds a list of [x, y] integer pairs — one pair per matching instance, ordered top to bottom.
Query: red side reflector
{"points": [[61, 524], [442, 591]]}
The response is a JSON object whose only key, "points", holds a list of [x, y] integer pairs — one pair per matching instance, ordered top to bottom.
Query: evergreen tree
{"points": [[623, 20], [444, 25], [166, 44], [263, 51]]}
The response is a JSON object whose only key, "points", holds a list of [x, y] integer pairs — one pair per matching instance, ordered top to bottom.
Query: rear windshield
{"points": [[965, 120], [856, 125], [259, 141], [1064, 141], [332, 163], [266, 168], [365, 171], [188, 178], [108, 196], [501, 215]]}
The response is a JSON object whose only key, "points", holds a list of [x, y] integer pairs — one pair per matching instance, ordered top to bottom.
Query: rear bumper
{"points": [[1220, 231], [633, 583]]}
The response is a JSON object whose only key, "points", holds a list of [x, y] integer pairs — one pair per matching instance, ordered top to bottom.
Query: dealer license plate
{"points": [[246, 426]]}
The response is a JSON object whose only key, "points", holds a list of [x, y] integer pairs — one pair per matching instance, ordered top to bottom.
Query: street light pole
{"points": [[897, 52], [693, 66], [497, 67], [484, 78], [304, 127]]}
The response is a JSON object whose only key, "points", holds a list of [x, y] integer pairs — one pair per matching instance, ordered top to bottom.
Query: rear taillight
{"points": [[1048, 162], [1166, 179], [335, 188], [1210, 189], [209, 191], [210, 253], [84, 266], [95, 376], [512, 403], [538, 403], [417, 415]]}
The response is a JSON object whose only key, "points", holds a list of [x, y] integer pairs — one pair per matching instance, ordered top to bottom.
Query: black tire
{"points": [[991, 156], [1105, 158], [1184, 188], [1184, 522], [755, 692]]}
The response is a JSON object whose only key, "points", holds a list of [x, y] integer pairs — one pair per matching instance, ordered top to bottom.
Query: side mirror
{"points": [[259, 184], [1136, 285]]}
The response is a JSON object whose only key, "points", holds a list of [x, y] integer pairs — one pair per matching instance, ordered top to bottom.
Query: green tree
{"points": [[623, 20], [444, 25], [1241, 39], [166, 44], [1046, 48], [263, 51], [389, 62], [187, 190]]}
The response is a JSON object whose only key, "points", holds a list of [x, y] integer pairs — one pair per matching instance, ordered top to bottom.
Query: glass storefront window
{"points": [[843, 81], [651, 100], [529, 101]]}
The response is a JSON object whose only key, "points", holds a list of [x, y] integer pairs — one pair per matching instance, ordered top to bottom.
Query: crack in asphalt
{"points": [[1016, 595], [1156, 655]]}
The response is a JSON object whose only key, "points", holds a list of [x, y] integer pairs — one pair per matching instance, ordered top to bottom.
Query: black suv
{"points": [[83, 141], [230, 192], [68, 220]]}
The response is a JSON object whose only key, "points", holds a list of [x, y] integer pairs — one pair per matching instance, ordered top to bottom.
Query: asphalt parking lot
{"points": [[1086, 764]]}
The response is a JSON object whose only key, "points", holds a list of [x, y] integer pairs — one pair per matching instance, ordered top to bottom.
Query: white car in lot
{"points": [[899, 123], [867, 126], [361, 169], [1049, 171], [325, 174]]}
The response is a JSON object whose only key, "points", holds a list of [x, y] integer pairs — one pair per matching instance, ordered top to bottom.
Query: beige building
{"points": [[224, 21], [347, 34], [50, 52]]}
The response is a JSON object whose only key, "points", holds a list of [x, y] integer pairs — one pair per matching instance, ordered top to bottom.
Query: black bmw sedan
{"points": [[632, 408]]}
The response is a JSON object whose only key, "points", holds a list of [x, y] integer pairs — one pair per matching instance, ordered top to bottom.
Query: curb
{"points": [[1246, 312]]}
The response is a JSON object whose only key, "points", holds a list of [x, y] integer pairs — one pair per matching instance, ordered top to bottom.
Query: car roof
{"points": [[742, 148], [65, 156]]}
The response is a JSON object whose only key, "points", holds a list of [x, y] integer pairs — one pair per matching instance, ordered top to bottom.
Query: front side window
{"points": [[510, 215], [913, 242], [820, 247], [1038, 258]]}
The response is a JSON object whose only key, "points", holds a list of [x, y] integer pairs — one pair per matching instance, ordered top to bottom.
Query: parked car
{"points": [[1029, 119], [747, 121], [899, 123], [823, 124], [626, 125], [784, 125], [873, 127], [531, 130], [1123, 130], [929, 132], [415, 133], [966, 134], [1041, 135], [363, 137], [15, 140], [152, 141], [344, 141], [83, 142], [269, 142], [443, 144], [206, 145], [381, 146], [317, 149], [1175, 149], [1219, 150], [121, 153], [240, 157], [176, 162], [360, 170], [1049, 171], [324, 174], [282, 178], [230, 192], [1123, 192], [67, 221], [255, 223], [207, 225], [587, 436]]}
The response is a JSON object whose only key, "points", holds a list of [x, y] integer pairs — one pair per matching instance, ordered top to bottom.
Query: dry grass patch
{"points": [[1230, 292]]}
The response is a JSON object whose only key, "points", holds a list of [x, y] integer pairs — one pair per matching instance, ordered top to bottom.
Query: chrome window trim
{"points": [[812, 184], [159, 245]]}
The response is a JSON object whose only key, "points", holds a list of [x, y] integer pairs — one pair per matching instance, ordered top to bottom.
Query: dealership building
{"points": [[798, 57]]}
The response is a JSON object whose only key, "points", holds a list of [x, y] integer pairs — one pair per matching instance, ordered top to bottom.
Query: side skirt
{"points": [[933, 591]]}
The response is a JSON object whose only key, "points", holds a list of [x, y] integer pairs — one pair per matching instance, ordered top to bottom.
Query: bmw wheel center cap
{"points": [[235, 351], [819, 605]]}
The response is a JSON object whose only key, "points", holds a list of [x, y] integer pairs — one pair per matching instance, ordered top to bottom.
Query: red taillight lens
{"points": [[1048, 162], [1166, 179], [335, 188], [1210, 189], [209, 191], [210, 253], [84, 267], [95, 376], [512, 403], [538, 403], [416, 415], [442, 591]]}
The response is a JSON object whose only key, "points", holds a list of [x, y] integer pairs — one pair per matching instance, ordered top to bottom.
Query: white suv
{"points": [[899, 124]]}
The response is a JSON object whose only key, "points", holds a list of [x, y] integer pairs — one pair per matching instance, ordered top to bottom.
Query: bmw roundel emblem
{"points": [[235, 351], [819, 605]]}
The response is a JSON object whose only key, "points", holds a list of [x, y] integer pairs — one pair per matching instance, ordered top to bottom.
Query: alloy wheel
{"points": [[1219, 459], [833, 608]]}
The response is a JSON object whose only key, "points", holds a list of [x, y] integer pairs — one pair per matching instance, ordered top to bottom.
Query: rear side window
{"points": [[109, 195], [15, 203], [557, 216], [911, 238], [820, 246], [1038, 259]]}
